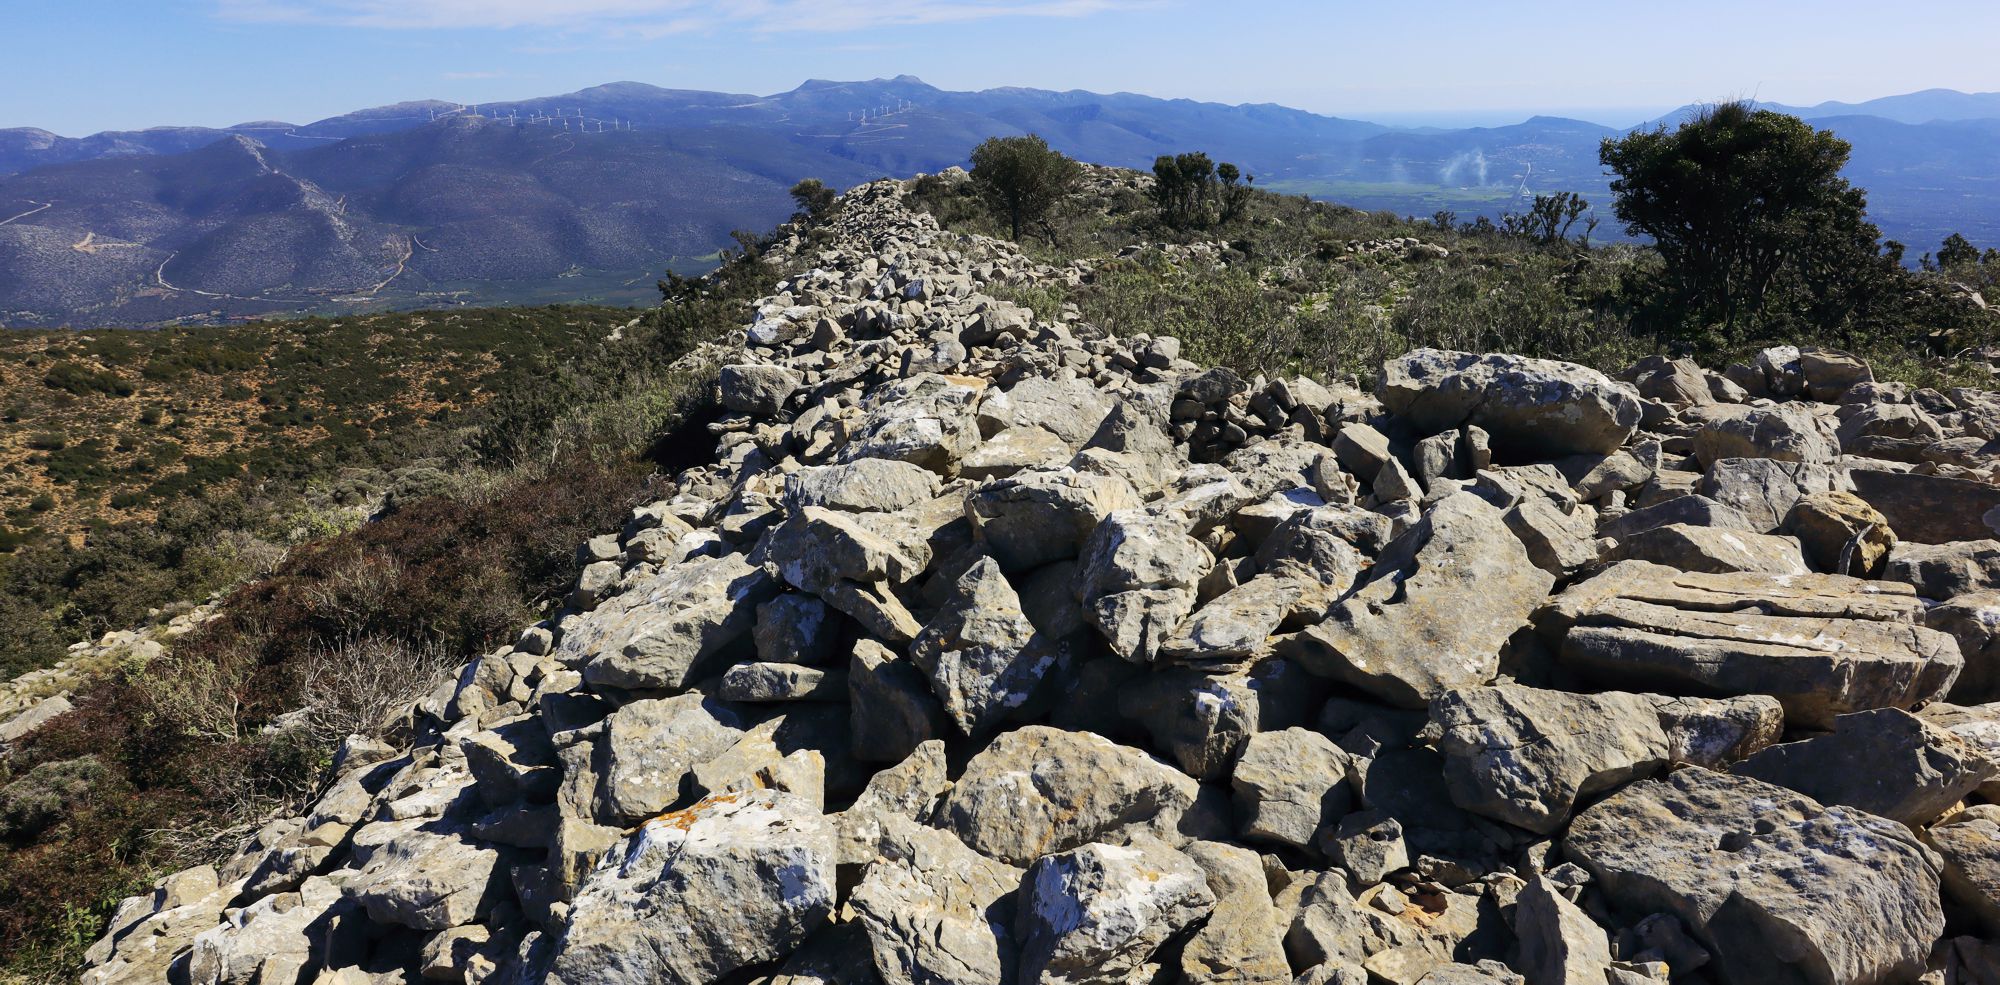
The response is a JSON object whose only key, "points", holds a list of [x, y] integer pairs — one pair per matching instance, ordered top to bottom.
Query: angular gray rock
{"points": [[757, 390], [1532, 408], [1071, 410], [925, 420], [1785, 433], [862, 486], [1763, 491], [1931, 509], [1697, 510], [1033, 518], [1841, 533], [1558, 542], [1712, 550], [1943, 572], [1137, 579], [1435, 610], [1973, 619], [1240, 624], [795, 628], [667, 629], [1822, 645], [982, 655], [776, 682], [891, 705], [1202, 719], [652, 746], [1526, 756], [1885, 761], [1289, 784], [910, 789], [1038, 790], [1969, 844], [1367, 845], [424, 874], [1776, 886], [692, 897], [935, 910], [1095, 915], [1242, 942], [1559, 943]]}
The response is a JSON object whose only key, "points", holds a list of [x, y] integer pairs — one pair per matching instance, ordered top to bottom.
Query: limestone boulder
{"points": [[758, 390], [1534, 409], [926, 420], [1785, 433], [864, 485], [1931, 509], [1037, 517], [1841, 533], [1711, 549], [1942, 572], [1138, 578], [1434, 612], [1973, 619], [665, 629], [1823, 645], [982, 655], [1201, 719], [652, 746], [1884, 761], [1289, 784], [1038, 790], [1968, 842], [1775, 885], [695, 896], [935, 910], [1098, 913]]}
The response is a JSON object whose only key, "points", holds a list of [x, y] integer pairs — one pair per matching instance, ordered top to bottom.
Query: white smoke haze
{"points": [[1467, 170]]}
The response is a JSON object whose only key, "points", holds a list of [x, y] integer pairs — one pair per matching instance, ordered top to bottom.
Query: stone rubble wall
{"points": [[993, 649], [40, 695]]}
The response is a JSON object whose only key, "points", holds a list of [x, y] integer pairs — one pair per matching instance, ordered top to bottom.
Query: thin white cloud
{"points": [[654, 18]]}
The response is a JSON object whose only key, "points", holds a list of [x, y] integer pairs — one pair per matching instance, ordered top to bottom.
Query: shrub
{"points": [[78, 380], [356, 687], [47, 793]]}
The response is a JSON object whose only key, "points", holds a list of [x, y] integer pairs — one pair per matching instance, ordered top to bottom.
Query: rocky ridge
{"points": [[992, 649]]}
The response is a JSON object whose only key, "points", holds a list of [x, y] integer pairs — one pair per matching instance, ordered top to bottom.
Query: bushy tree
{"points": [[1022, 179], [1235, 190], [1194, 192], [814, 198], [1551, 218], [1754, 222], [1956, 252]]}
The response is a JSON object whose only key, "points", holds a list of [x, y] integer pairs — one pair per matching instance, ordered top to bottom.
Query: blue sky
{"points": [[77, 66]]}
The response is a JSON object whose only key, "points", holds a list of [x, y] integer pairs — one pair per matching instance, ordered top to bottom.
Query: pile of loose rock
{"points": [[1394, 248], [990, 649], [28, 701]]}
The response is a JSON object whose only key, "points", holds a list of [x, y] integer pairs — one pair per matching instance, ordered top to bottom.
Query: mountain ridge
{"points": [[672, 171]]}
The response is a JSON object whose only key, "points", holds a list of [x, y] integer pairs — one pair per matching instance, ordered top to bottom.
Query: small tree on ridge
{"points": [[1022, 179]]}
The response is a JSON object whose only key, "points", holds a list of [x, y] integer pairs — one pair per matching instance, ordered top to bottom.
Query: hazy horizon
{"points": [[1447, 63]]}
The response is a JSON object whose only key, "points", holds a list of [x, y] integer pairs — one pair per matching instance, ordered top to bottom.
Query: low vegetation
{"points": [[1736, 257], [142, 467], [170, 761]]}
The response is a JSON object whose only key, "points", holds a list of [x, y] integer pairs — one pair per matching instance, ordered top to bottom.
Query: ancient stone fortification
{"points": [[989, 649]]}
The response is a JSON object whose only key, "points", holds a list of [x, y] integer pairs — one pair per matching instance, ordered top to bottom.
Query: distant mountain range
{"points": [[591, 194]]}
